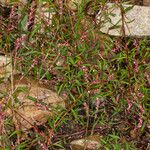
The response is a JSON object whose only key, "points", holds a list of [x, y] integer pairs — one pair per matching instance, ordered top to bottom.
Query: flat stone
{"points": [[9, 2], [73, 4], [44, 13], [136, 20], [5, 66], [32, 103], [88, 143]]}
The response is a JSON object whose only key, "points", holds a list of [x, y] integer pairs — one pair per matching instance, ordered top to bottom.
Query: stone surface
{"points": [[10, 2], [146, 2], [73, 4], [44, 14], [137, 20], [5, 67], [32, 102], [89, 143]]}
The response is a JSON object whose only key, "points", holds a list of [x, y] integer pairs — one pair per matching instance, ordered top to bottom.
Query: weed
{"points": [[105, 79]]}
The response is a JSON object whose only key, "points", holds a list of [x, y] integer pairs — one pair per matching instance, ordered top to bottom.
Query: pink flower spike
{"points": [[135, 65], [110, 77], [97, 103], [129, 104]]}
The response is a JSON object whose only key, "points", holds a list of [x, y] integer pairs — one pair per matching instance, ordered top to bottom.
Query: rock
{"points": [[9, 2], [146, 2], [73, 4], [44, 13], [137, 20], [5, 67], [32, 103], [89, 143]]}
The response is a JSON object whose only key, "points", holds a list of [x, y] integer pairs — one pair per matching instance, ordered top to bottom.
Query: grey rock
{"points": [[9, 2], [73, 4], [44, 14], [136, 20], [35, 103], [88, 143]]}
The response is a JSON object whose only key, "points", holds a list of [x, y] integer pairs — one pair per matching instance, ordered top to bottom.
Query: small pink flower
{"points": [[60, 7], [31, 13], [12, 15], [84, 35], [19, 41], [66, 44], [136, 44], [117, 47], [69, 53], [35, 63], [136, 66], [84, 68], [110, 77], [65, 94], [139, 94], [97, 103], [130, 103], [86, 107], [141, 109], [140, 116], [140, 122], [148, 126], [42, 145]]}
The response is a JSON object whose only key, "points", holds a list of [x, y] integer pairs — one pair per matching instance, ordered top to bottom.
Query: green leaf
{"points": [[128, 8], [23, 22]]}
